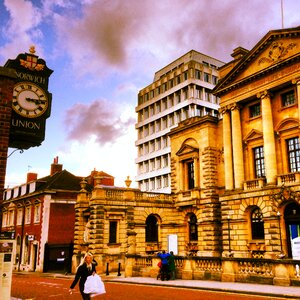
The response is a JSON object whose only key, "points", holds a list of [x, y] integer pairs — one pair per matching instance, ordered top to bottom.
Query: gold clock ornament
{"points": [[29, 100]]}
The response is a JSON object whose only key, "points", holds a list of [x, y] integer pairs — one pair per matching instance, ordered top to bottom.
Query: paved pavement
{"points": [[274, 291], [290, 292]]}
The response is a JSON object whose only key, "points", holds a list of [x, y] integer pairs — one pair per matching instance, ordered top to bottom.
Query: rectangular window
{"points": [[197, 74], [185, 75], [206, 77], [214, 79], [288, 98], [158, 107], [254, 110], [164, 123], [152, 128], [164, 141], [293, 154], [165, 161], [259, 162], [158, 163], [152, 165], [190, 174], [166, 181], [158, 182], [152, 184], [37, 213], [27, 215], [19, 216], [11, 217], [4, 219], [113, 225]]}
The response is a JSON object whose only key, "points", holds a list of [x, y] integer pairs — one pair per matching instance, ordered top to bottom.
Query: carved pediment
{"points": [[275, 48], [287, 124], [253, 135], [187, 149]]}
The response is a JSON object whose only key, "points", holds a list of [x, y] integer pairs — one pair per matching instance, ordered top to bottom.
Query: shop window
{"points": [[293, 154], [257, 224], [151, 229]]}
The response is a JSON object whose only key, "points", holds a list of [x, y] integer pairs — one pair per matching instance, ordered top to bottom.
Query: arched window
{"points": [[257, 224], [193, 228], [151, 229]]}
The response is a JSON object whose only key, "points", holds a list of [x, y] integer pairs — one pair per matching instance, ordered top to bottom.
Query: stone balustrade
{"points": [[284, 272]]}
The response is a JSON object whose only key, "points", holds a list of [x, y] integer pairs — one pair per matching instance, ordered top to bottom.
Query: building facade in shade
{"points": [[179, 91]]}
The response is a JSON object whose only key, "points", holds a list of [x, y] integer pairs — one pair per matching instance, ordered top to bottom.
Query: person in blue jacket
{"points": [[164, 257]]}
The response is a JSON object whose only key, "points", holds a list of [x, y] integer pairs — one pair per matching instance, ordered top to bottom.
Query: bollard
{"points": [[119, 269], [107, 272]]}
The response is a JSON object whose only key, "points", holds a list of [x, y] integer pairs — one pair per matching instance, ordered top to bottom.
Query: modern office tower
{"points": [[179, 91]]}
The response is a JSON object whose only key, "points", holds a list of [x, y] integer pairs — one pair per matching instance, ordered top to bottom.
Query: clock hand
{"points": [[36, 101]]}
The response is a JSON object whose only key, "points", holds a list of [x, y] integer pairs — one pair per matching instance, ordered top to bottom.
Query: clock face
{"points": [[29, 100]]}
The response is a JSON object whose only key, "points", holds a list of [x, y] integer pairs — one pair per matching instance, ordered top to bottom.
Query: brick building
{"points": [[40, 215]]}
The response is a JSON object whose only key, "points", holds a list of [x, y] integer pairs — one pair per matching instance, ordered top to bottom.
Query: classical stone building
{"points": [[233, 213]]}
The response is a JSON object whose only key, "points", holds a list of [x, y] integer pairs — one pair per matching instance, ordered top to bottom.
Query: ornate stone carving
{"points": [[276, 52]]}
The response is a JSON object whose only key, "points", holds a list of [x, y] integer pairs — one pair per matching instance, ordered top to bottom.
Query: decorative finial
{"points": [[32, 49], [128, 182]]}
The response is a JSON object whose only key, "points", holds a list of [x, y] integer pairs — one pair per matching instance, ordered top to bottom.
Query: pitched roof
{"points": [[63, 180]]}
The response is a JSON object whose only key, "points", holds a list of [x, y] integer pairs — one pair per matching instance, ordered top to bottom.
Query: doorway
{"points": [[292, 222]]}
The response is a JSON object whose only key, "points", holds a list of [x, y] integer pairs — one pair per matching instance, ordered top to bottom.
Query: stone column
{"points": [[269, 139], [237, 146], [227, 149]]}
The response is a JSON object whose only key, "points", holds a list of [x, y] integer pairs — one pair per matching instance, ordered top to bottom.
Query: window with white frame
{"points": [[293, 148], [37, 212], [27, 214], [19, 216], [11, 217], [4, 219]]}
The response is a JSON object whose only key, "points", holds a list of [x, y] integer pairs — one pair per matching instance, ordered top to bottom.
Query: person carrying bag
{"points": [[85, 270]]}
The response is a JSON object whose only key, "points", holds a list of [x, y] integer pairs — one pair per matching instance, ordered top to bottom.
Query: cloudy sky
{"points": [[103, 52]]}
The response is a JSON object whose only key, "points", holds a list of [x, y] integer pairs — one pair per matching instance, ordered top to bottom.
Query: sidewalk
{"points": [[274, 291]]}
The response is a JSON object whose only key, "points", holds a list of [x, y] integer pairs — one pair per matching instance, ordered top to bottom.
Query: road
{"points": [[39, 288]]}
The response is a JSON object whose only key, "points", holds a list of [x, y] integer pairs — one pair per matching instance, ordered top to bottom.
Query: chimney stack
{"points": [[55, 167], [31, 177]]}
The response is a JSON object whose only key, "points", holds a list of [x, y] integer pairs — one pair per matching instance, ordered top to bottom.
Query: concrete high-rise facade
{"points": [[179, 91]]}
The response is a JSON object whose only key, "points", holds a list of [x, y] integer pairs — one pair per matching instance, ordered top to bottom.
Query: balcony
{"points": [[288, 179], [254, 184]]}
